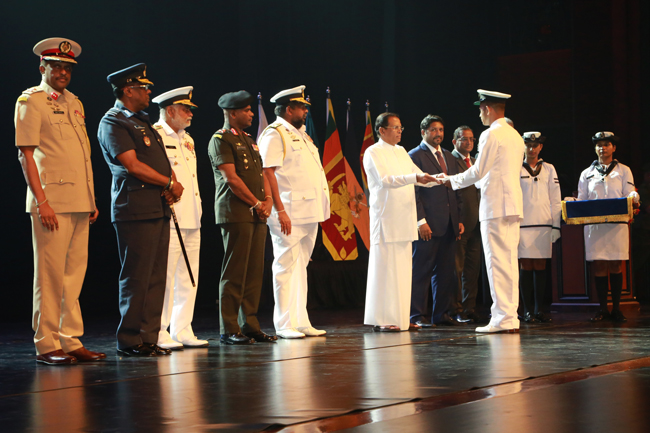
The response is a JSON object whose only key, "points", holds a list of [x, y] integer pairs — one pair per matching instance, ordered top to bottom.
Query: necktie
{"points": [[441, 161], [467, 162]]}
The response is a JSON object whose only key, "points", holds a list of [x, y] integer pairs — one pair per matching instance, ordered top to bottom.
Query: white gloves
{"points": [[635, 196], [570, 199], [555, 235]]}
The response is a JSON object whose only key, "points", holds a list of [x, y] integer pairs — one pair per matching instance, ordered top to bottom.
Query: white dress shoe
{"points": [[489, 329], [310, 331], [290, 333], [193, 343], [169, 344]]}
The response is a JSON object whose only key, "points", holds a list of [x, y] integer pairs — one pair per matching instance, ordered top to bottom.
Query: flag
{"points": [[262, 122], [311, 130], [368, 140], [351, 146], [338, 231]]}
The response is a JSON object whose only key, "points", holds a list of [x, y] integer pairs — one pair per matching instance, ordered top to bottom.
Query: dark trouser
{"points": [[143, 247], [468, 267], [433, 269], [241, 276]]}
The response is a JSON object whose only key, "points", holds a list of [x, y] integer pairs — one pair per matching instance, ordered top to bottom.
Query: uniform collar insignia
{"points": [[234, 131]]}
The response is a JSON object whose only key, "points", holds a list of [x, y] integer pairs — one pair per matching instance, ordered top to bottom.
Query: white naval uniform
{"points": [[54, 124], [497, 167], [392, 176], [305, 196], [542, 211], [606, 241], [178, 308]]}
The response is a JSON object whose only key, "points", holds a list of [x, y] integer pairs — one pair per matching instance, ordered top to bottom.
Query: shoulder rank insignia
{"points": [[32, 90], [23, 98], [157, 126], [234, 131], [187, 133], [217, 135]]}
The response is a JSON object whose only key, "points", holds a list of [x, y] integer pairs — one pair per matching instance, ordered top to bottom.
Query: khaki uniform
{"points": [[54, 123]]}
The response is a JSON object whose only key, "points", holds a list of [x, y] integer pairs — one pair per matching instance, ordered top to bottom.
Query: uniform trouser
{"points": [[500, 240], [143, 247], [291, 256], [60, 260], [468, 266], [433, 271], [242, 273], [180, 295]]}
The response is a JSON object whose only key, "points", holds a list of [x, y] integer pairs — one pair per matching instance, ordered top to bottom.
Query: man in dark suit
{"points": [[439, 226], [468, 248]]}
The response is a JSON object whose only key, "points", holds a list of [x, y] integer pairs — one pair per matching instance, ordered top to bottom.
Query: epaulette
{"points": [[32, 90], [113, 111], [187, 133]]}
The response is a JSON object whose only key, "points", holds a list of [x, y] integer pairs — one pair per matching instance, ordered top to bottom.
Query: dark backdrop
{"points": [[573, 67]]}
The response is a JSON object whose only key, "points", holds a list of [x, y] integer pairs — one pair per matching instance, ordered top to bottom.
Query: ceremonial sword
{"points": [[180, 239]]}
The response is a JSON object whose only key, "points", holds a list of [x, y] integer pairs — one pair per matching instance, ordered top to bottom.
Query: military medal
{"points": [[78, 113], [147, 141], [189, 146], [255, 147]]}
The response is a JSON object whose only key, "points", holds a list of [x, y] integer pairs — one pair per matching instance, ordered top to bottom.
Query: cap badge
{"points": [[65, 47], [190, 95]]}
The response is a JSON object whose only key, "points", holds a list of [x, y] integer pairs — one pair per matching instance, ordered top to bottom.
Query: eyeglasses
{"points": [[143, 86], [394, 128], [464, 139]]}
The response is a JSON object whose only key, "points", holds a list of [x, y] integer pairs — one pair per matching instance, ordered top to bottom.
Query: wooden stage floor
{"points": [[569, 376]]}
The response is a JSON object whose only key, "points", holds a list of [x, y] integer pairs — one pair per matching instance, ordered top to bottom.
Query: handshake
{"points": [[433, 180]]}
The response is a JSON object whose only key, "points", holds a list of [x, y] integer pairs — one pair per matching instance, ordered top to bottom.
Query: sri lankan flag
{"points": [[368, 140], [338, 231]]}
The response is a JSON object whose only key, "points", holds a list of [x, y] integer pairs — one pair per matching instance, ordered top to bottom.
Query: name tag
{"points": [[59, 112], [170, 147]]}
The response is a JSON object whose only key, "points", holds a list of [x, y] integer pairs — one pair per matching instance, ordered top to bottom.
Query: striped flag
{"points": [[261, 117], [368, 140], [338, 231]]}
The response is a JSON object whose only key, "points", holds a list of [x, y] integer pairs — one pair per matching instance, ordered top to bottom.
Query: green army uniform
{"points": [[243, 232]]}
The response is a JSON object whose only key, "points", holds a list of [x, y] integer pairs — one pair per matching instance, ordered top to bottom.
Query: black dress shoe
{"points": [[600, 316], [617, 316], [473, 317], [543, 317], [462, 318], [529, 318], [447, 320], [424, 324], [261, 337], [236, 338], [138, 350], [157, 350]]}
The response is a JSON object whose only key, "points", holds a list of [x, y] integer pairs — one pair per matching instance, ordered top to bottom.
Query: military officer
{"points": [[175, 115], [54, 152], [143, 186], [301, 200], [241, 207]]}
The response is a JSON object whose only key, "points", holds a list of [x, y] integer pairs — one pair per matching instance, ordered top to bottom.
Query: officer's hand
{"points": [[177, 190], [169, 198], [265, 208], [94, 215], [48, 217], [285, 223], [461, 229], [425, 232], [555, 235]]}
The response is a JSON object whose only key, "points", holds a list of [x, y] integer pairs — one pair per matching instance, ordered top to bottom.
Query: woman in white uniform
{"points": [[393, 226], [540, 227], [607, 245]]}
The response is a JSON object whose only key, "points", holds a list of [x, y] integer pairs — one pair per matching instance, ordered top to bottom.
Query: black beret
{"points": [[132, 74], [235, 100]]}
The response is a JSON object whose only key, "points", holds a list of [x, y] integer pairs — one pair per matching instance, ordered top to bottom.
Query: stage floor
{"points": [[568, 376]]}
